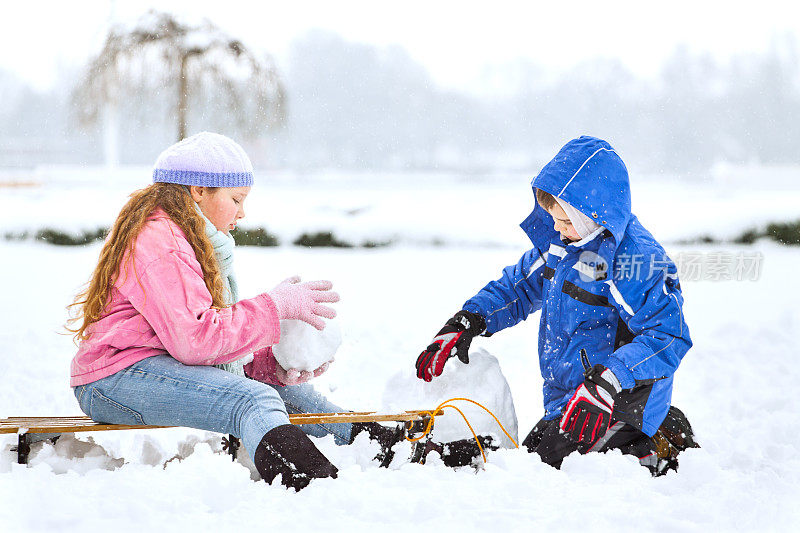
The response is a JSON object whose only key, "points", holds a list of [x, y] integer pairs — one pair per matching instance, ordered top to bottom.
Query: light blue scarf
{"points": [[224, 244]]}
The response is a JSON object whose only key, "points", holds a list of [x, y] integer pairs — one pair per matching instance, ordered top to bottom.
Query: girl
{"points": [[164, 339]]}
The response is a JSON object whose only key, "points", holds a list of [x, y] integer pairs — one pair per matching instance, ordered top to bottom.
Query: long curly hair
{"points": [[177, 203]]}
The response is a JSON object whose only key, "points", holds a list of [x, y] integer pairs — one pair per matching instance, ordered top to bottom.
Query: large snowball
{"points": [[304, 347], [481, 380]]}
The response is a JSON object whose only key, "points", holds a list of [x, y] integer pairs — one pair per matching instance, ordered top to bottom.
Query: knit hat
{"points": [[206, 160]]}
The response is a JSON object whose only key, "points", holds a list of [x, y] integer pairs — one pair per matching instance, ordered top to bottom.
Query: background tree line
{"points": [[357, 106]]}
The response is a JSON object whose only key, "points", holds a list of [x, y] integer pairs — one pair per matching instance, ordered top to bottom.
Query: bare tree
{"points": [[163, 52]]}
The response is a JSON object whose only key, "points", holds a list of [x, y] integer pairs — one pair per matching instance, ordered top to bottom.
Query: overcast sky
{"points": [[456, 41]]}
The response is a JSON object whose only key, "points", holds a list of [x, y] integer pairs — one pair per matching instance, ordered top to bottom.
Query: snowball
{"points": [[304, 347], [481, 380]]}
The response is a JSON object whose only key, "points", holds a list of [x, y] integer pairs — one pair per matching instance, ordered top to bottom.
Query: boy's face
{"points": [[562, 224]]}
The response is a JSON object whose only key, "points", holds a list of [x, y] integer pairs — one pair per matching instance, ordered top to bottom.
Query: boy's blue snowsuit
{"points": [[614, 293]]}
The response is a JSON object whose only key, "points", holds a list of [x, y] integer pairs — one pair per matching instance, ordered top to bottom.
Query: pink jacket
{"points": [[160, 304]]}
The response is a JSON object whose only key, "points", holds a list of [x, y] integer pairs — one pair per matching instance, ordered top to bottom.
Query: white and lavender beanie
{"points": [[206, 160]]}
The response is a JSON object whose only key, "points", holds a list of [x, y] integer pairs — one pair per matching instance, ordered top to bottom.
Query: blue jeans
{"points": [[161, 391]]}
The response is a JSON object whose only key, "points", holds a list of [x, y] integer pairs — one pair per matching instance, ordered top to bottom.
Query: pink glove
{"points": [[301, 301], [265, 368], [294, 376]]}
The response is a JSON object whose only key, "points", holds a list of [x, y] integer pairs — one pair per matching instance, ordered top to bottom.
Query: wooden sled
{"points": [[35, 429]]}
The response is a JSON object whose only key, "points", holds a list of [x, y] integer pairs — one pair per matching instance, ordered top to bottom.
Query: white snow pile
{"points": [[304, 347], [481, 380]]}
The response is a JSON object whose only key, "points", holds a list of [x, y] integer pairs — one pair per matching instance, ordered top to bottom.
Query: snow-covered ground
{"points": [[737, 385]]}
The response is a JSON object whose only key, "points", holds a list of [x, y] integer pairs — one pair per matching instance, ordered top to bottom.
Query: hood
{"points": [[589, 175]]}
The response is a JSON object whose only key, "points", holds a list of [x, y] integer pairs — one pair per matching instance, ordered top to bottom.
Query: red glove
{"points": [[456, 335], [587, 415]]}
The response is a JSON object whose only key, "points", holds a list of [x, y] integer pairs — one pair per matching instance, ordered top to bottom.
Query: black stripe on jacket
{"points": [[582, 295]]}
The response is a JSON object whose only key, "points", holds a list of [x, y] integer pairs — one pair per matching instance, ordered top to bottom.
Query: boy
{"points": [[611, 332]]}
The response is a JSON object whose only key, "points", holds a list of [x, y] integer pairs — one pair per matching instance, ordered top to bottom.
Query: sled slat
{"points": [[56, 424], [74, 424]]}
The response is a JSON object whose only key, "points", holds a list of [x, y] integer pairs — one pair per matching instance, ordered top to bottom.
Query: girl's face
{"points": [[223, 206], [562, 224]]}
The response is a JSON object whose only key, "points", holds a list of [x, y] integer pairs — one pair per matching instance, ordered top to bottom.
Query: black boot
{"points": [[385, 436], [674, 436], [287, 451], [458, 452], [465, 452]]}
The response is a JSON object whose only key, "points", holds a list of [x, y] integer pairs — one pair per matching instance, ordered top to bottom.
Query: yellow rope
{"points": [[440, 408]]}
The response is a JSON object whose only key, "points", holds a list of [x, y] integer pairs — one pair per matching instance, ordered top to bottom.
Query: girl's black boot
{"points": [[288, 452]]}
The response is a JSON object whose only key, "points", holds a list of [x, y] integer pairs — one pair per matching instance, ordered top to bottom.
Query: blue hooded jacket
{"points": [[614, 293]]}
